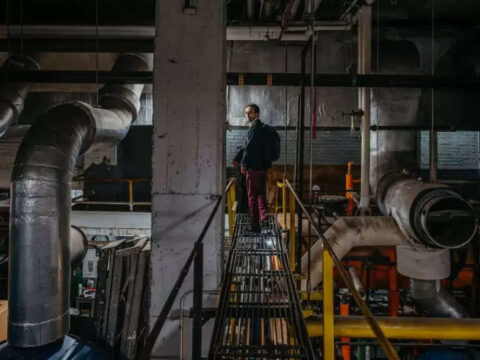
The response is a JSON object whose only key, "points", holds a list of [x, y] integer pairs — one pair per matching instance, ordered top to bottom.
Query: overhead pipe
{"points": [[250, 5], [268, 9], [294, 9], [308, 11], [364, 53], [13, 94], [299, 161], [430, 214], [349, 232], [40, 253]]}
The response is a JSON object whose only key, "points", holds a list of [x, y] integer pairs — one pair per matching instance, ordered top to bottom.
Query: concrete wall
{"points": [[279, 105]]}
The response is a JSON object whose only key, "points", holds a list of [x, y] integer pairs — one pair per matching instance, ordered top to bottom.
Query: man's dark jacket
{"points": [[253, 153]]}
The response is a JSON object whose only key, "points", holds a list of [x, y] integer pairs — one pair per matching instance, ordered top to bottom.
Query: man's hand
{"points": [[236, 165], [243, 169]]}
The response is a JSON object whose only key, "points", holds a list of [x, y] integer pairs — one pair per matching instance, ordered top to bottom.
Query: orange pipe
{"points": [[349, 182], [393, 293], [345, 311]]}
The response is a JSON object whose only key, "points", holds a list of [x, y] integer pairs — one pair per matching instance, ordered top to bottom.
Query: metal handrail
{"points": [[130, 183], [230, 198], [196, 253], [384, 342]]}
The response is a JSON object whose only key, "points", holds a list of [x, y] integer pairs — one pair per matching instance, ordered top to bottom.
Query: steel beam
{"points": [[258, 79]]}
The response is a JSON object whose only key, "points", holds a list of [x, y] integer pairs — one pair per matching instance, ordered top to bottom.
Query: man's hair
{"points": [[254, 107]]}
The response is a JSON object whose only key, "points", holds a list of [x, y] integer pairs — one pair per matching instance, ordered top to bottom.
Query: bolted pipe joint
{"points": [[430, 214]]}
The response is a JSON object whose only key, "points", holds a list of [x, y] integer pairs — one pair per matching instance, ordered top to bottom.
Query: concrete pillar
{"points": [[188, 153]]}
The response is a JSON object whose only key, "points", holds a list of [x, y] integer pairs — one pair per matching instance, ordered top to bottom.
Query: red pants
{"points": [[256, 184]]}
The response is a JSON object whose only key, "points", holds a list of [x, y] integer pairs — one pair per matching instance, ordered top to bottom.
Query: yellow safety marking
{"points": [[241, 79], [314, 295], [307, 313]]}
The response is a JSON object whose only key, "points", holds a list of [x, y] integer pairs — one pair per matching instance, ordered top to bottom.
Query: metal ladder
{"points": [[259, 314]]}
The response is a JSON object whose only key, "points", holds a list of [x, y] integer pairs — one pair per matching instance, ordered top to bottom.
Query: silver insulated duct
{"points": [[12, 95], [429, 214], [433, 216], [40, 252]]}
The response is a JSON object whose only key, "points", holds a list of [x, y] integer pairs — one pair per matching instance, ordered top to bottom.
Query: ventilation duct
{"points": [[250, 4], [12, 95], [40, 207], [433, 216], [347, 233], [434, 300]]}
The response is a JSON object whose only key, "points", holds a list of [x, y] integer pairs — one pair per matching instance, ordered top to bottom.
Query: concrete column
{"points": [[188, 153]]}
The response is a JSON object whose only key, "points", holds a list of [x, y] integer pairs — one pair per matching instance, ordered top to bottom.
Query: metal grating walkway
{"points": [[259, 315]]}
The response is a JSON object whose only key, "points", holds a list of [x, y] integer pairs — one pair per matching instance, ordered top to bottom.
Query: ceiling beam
{"points": [[240, 79]]}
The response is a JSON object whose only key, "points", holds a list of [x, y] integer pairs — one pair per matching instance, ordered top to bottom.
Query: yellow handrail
{"points": [[130, 183], [231, 207], [292, 232], [328, 311]]}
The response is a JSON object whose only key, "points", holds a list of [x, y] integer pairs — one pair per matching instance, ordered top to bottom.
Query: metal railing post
{"points": [[130, 195], [231, 198], [284, 204], [292, 232], [197, 303]]}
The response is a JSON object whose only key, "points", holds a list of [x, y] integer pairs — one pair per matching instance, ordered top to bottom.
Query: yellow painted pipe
{"points": [[328, 321], [413, 328]]}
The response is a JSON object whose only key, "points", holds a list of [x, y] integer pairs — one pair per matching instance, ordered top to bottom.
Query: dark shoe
{"points": [[264, 224], [253, 229]]}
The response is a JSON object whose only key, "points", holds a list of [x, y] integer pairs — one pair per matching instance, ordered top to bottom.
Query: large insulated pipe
{"points": [[12, 95], [429, 213], [349, 232], [78, 246], [40, 251], [434, 300]]}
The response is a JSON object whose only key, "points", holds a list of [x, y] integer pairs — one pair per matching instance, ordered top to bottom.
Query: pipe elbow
{"points": [[349, 232], [78, 246], [434, 300]]}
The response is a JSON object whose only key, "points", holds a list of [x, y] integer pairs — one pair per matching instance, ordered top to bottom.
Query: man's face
{"points": [[250, 114]]}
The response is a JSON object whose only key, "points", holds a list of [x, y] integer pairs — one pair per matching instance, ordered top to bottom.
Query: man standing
{"points": [[254, 166]]}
